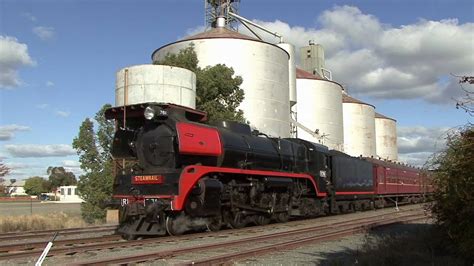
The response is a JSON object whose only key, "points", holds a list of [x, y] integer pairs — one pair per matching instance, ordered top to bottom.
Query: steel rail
{"points": [[56, 230], [48, 233], [41, 244]]}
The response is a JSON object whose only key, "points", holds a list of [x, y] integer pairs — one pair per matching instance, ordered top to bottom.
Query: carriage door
{"points": [[381, 182]]}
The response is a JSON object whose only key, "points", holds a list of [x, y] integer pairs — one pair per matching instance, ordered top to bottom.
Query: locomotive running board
{"points": [[191, 175]]}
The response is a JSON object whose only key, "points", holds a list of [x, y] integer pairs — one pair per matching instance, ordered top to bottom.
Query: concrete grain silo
{"points": [[290, 49], [263, 66], [155, 83], [319, 108], [359, 127], [386, 137]]}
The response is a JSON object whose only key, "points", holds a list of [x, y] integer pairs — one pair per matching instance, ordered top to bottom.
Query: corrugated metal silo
{"points": [[263, 67], [156, 83], [319, 108], [359, 127], [386, 137]]}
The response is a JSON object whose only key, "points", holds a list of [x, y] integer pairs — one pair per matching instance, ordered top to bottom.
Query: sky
{"points": [[58, 60]]}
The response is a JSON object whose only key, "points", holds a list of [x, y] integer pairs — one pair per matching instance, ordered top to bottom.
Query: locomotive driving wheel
{"points": [[282, 217], [262, 219], [237, 220], [214, 224], [173, 227], [129, 237]]}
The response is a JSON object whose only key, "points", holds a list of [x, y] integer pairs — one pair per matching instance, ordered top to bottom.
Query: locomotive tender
{"points": [[180, 174]]}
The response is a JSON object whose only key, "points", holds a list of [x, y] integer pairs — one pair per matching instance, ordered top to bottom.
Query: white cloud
{"points": [[29, 16], [352, 25], [44, 33], [299, 36], [13, 56], [384, 61], [49, 83], [42, 106], [63, 113], [8, 132], [417, 144], [37, 150], [418, 159], [70, 163], [16, 165], [73, 166], [17, 174]]}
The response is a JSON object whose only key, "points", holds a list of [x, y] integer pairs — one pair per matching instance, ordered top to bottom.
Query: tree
{"points": [[186, 58], [218, 92], [467, 102], [93, 147], [4, 170], [58, 176], [453, 179], [36, 185], [454, 198]]}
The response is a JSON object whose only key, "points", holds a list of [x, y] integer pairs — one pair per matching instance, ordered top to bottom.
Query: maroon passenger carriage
{"points": [[177, 174], [400, 183]]}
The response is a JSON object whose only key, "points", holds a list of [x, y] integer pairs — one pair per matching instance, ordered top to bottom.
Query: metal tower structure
{"points": [[221, 8]]}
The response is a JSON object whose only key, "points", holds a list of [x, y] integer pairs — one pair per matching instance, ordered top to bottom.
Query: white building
{"points": [[16, 188], [69, 194]]}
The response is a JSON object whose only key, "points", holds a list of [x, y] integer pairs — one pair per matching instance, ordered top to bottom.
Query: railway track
{"points": [[48, 233], [41, 244], [290, 244], [258, 245], [15, 251]]}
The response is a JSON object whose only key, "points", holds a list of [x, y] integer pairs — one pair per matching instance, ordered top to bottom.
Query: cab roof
{"points": [[136, 110]]}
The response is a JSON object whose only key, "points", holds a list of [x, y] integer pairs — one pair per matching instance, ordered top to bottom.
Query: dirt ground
{"points": [[41, 208]]}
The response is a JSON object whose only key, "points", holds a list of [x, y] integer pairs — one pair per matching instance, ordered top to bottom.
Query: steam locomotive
{"points": [[178, 174]]}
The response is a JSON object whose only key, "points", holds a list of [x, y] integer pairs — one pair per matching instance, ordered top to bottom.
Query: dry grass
{"points": [[39, 222]]}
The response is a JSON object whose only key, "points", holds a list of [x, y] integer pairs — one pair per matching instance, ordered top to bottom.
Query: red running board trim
{"points": [[191, 174]]}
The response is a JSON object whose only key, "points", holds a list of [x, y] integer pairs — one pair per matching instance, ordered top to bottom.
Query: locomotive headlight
{"points": [[149, 113]]}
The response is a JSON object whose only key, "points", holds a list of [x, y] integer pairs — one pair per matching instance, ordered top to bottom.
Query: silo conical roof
{"points": [[219, 33], [302, 74], [348, 99], [378, 115]]}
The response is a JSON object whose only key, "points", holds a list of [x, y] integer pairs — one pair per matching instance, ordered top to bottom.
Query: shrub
{"points": [[454, 198]]}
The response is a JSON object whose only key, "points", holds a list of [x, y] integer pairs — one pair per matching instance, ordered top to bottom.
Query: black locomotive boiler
{"points": [[179, 174]]}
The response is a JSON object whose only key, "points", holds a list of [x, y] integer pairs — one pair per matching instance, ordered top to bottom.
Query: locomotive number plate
{"points": [[147, 179]]}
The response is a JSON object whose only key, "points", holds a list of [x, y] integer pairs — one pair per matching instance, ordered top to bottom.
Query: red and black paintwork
{"points": [[227, 174]]}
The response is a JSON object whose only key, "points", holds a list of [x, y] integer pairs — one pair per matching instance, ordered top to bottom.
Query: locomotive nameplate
{"points": [[147, 179]]}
